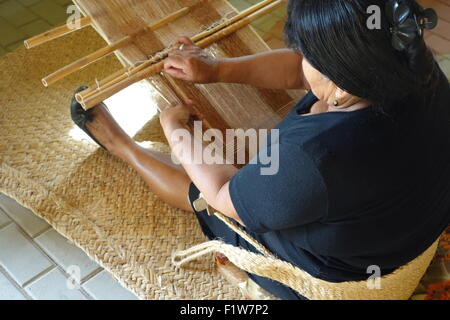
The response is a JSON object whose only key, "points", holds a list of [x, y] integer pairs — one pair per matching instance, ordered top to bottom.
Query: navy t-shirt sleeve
{"points": [[294, 196]]}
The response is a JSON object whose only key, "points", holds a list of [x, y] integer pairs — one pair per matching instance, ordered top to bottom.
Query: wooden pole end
{"points": [[27, 44]]}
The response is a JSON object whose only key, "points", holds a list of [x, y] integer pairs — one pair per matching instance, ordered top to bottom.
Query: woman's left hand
{"points": [[180, 115]]}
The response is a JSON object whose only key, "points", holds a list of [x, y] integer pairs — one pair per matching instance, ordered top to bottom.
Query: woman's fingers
{"points": [[183, 45], [175, 61], [190, 63], [175, 66], [176, 73], [194, 110]]}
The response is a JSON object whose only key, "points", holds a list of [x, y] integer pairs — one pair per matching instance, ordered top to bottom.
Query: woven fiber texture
{"points": [[90, 197], [398, 285]]}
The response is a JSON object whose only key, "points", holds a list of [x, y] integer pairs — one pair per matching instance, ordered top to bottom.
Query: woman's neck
{"points": [[351, 106], [323, 107]]}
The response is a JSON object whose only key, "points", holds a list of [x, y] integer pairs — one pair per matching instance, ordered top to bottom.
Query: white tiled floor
{"points": [[29, 222], [65, 254], [37, 263], [53, 286], [103, 287]]}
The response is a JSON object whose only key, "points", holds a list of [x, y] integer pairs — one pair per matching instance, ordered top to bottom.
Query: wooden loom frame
{"points": [[128, 76], [223, 106]]}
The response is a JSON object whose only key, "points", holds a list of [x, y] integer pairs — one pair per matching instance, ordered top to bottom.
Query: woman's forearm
{"points": [[278, 69], [208, 177], [211, 179]]}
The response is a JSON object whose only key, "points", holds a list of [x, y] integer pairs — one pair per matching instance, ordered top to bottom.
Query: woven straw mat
{"points": [[90, 197]]}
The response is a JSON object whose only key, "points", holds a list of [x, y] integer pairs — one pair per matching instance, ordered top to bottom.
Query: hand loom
{"points": [[141, 33]]}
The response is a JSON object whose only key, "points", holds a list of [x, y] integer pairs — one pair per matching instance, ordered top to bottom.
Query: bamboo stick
{"points": [[233, 20], [55, 33], [207, 33], [207, 41], [103, 52], [84, 62], [147, 71], [115, 76], [113, 79], [100, 84], [102, 95]]}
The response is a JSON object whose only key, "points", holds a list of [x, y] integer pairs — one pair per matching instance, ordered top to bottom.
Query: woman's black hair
{"points": [[333, 35]]}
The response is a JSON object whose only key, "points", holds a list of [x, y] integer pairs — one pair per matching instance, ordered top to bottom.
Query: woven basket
{"points": [[398, 285]]}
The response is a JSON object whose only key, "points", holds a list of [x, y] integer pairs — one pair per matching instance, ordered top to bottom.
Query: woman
{"points": [[364, 165]]}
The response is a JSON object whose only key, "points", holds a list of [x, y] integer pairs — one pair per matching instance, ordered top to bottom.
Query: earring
{"points": [[336, 103]]}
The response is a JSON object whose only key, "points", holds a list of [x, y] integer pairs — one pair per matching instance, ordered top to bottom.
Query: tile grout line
{"points": [[36, 16], [46, 19], [24, 24], [440, 35], [3, 209], [5, 225], [40, 233], [51, 260], [55, 264], [91, 275], [38, 276], [15, 284]]}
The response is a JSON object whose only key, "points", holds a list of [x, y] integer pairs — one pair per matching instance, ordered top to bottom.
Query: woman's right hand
{"points": [[191, 63]]}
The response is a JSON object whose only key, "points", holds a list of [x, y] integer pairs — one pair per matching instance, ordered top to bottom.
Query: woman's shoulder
{"points": [[332, 132]]}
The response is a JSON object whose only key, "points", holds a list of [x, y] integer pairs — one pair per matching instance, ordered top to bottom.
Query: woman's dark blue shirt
{"points": [[353, 190]]}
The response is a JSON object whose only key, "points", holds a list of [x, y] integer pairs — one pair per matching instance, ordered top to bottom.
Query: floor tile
{"points": [[28, 3], [64, 3], [240, 5], [443, 10], [50, 11], [281, 12], [15, 13], [265, 23], [36, 27], [443, 29], [9, 34], [439, 44], [14, 46], [445, 66], [4, 219], [26, 219], [66, 254], [19, 257], [53, 286], [104, 287], [8, 291]]}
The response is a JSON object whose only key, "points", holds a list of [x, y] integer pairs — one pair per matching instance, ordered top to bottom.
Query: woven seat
{"points": [[398, 285]]}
